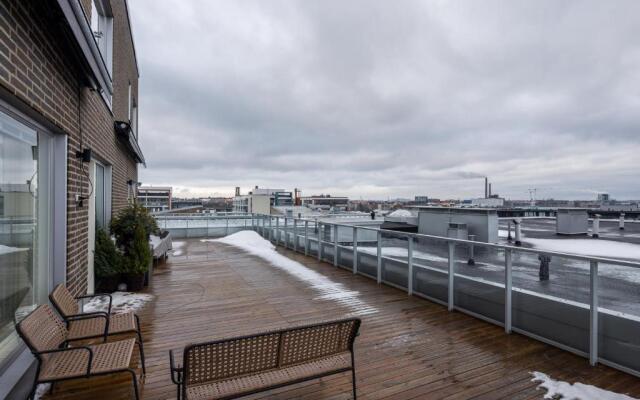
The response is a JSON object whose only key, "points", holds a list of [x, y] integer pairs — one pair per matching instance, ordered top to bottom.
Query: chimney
{"points": [[486, 187], [489, 189], [237, 190]]}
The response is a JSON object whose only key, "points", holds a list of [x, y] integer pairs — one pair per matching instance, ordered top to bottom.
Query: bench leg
{"points": [[140, 346], [135, 383]]}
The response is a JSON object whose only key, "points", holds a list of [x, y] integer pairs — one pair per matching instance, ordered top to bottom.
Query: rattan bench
{"points": [[87, 325], [47, 337], [235, 367]]}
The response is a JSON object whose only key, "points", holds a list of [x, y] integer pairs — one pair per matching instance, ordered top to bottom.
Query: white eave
{"points": [[77, 20]]}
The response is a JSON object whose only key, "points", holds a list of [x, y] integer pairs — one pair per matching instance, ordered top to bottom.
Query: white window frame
{"points": [[101, 23], [52, 150]]}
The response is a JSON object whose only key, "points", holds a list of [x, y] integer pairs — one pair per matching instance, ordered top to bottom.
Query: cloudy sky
{"points": [[379, 99]]}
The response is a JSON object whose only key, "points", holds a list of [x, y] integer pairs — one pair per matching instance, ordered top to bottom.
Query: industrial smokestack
{"points": [[486, 187], [489, 189], [237, 190]]}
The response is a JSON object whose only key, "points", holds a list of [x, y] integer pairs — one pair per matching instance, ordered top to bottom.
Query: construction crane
{"points": [[532, 196]]}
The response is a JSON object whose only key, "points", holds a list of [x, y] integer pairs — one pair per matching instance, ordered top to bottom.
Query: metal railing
{"points": [[194, 226], [312, 236], [580, 325]]}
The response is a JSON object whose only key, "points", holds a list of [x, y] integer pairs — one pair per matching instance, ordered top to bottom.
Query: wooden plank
{"points": [[408, 348]]}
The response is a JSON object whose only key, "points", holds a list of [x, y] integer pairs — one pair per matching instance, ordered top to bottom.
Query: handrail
{"points": [[273, 233], [475, 243]]}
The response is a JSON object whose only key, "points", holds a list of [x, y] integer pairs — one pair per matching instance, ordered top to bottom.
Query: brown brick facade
{"points": [[39, 68]]}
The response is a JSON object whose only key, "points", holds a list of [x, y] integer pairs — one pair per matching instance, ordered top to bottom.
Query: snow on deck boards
{"points": [[409, 348]]}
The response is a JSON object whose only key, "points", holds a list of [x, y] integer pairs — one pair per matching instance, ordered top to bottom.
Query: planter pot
{"points": [[135, 282], [109, 284]]}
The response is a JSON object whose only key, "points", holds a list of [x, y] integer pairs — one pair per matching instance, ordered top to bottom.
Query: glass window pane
{"points": [[99, 194], [18, 228]]}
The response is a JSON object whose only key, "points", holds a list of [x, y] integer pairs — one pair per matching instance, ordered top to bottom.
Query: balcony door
{"points": [[99, 212]]}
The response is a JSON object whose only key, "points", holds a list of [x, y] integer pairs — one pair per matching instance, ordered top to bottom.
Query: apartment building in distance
{"points": [[69, 151], [156, 198], [260, 200], [326, 202]]}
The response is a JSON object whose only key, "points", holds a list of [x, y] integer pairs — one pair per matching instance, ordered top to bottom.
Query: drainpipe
{"points": [[516, 222], [621, 223], [595, 230]]}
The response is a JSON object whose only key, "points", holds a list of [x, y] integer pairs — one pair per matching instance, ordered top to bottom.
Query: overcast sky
{"points": [[379, 99]]}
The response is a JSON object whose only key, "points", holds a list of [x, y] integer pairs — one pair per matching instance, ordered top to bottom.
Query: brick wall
{"points": [[38, 67]]}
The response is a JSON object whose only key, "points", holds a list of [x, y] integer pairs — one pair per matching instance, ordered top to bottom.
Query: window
{"points": [[102, 27], [133, 113], [102, 188], [24, 226]]}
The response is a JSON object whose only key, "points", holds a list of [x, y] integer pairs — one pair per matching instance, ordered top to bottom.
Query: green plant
{"points": [[124, 225], [132, 227], [139, 255], [107, 259]]}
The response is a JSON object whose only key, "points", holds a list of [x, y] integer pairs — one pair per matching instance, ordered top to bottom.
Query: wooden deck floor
{"points": [[409, 348]]}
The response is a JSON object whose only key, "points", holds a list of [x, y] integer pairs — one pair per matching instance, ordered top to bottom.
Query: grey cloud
{"points": [[377, 99]]}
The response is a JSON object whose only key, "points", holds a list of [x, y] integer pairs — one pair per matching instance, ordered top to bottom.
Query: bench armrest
{"points": [[91, 296], [69, 349], [176, 371]]}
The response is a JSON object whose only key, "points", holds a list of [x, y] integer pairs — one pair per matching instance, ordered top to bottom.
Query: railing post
{"points": [[319, 227], [270, 228], [226, 230], [277, 232], [295, 234], [286, 235], [306, 238], [335, 245], [355, 250], [410, 265], [379, 274], [451, 275], [508, 282], [593, 331]]}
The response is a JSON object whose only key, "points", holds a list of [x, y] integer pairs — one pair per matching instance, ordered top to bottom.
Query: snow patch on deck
{"points": [[327, 289], [123, 302], [577, 391]]}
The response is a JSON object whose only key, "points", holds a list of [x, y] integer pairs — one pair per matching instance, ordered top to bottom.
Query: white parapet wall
{"points": [[481, 222]]}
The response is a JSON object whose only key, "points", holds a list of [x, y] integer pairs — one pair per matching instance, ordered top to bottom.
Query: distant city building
{"points": [[155, 198], [603, 198], [260, 200], [421, 200], [326, 202], [490, 202], [179, 203]]}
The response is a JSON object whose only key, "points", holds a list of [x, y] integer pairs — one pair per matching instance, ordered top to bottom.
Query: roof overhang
{"points": [[77, 20], [126, 137]]}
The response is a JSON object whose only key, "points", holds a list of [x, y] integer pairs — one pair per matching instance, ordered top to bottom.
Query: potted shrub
{"points": [[132, 227], [107, 262]]}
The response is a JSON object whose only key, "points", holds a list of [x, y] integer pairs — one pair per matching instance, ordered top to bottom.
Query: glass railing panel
{"points": [[217, 227], [345, 256], [430, 261], [479, 280], [551, 298], [619, 314]]}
